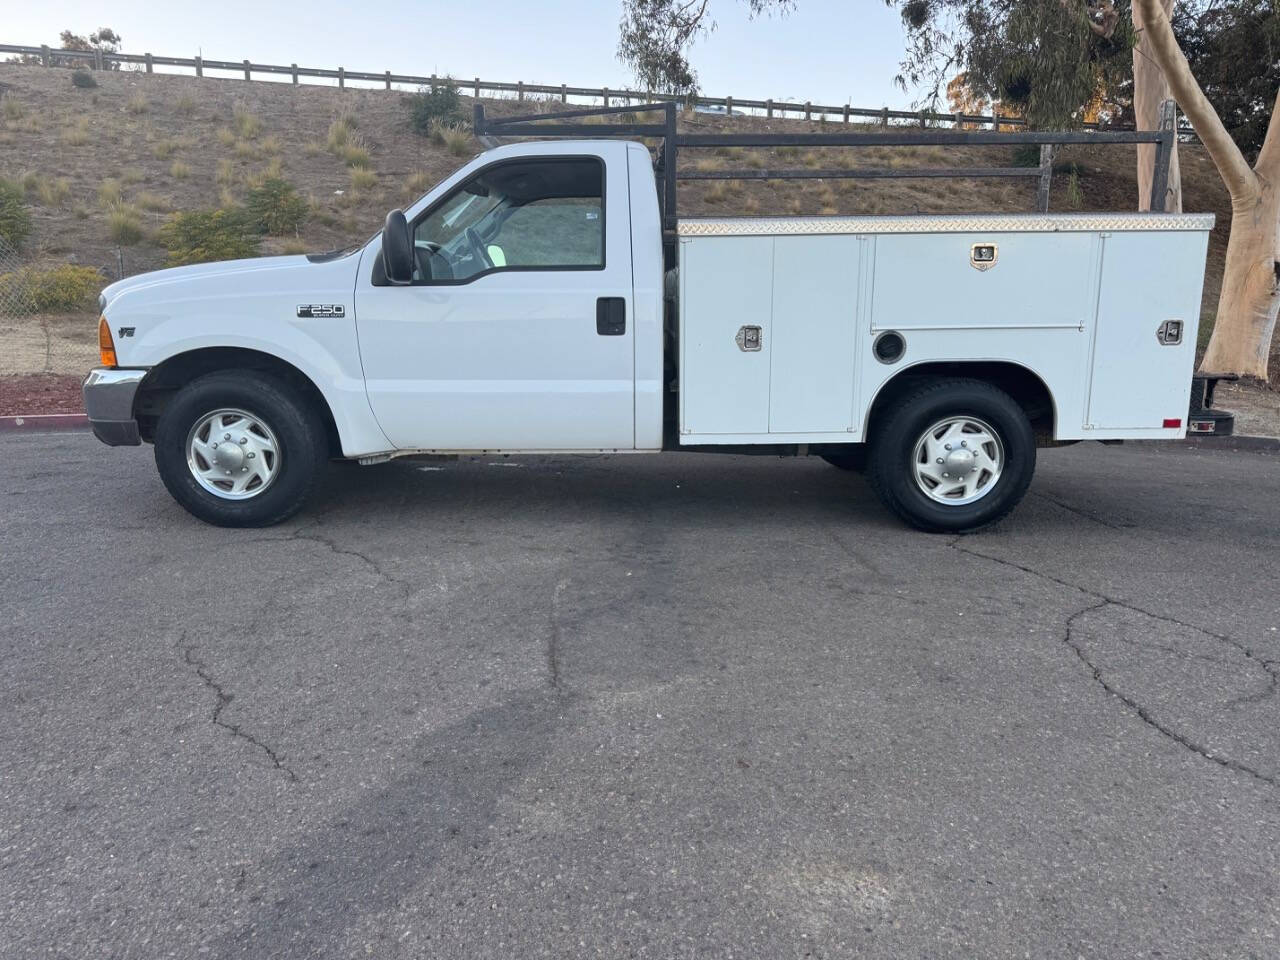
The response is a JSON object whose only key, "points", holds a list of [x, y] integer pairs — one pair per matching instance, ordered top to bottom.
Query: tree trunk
{"points": [[1150, 89], [1250, 297], [1247, 308]]}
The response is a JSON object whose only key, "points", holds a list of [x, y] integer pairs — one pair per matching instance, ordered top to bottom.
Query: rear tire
{"points": [[239, 448], [954, 456]]}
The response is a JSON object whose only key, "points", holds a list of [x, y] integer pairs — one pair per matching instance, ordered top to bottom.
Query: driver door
{"points": [[516, 332]]}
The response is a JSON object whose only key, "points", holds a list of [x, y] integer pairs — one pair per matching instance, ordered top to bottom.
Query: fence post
{"points": [[147, 56], [46, 57], [97, 60], [199, 66], [246, 70], [293, 73], [342, 78], [388, 79], [433, 83], [477, 88], [519, 89], [564, 93], [605, 93], [728, 106], [768, 109], [808, 110], [846, 113], [884, 117], [995, 120], [923, 122], [1164, 156], [1046, 177]]}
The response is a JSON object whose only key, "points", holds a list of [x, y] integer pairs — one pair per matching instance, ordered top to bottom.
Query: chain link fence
{"points": [[16, 299]]}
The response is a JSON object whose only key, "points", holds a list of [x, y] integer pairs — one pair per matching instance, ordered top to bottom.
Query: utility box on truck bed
{"points": [[790, 327]]}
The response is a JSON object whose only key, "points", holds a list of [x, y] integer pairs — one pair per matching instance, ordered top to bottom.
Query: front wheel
{"points": [[239, 448], [954, 456]]}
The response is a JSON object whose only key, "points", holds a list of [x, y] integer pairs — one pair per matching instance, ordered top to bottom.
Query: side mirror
{"points": [[397, 248]]}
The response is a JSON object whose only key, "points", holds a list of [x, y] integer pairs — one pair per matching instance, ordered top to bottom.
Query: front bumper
{"points": [[108, 400]]}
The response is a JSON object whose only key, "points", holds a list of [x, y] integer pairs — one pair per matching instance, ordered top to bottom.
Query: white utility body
{"points": [[527, 305]]}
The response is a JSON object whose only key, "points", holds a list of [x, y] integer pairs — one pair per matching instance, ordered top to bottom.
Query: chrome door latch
{"points": [[984, 256], [1170, 333], [749, 339]]}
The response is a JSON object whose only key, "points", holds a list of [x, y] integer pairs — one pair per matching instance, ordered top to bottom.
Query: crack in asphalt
{"points": [[1081, 513], [333, 547], [555, 636], [220, 703], [1142, 712]]}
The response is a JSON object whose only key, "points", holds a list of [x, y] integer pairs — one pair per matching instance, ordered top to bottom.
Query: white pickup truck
{"points": [[529, 305]]}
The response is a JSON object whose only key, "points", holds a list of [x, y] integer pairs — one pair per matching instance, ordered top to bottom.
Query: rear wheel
{"points": [[240, 448], [954, 456]]}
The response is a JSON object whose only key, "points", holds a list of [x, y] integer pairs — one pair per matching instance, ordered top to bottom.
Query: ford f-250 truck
{"points": [[528, 305]]}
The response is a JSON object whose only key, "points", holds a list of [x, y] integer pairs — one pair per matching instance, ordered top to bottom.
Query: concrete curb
{"points": [[42, 422], [1257, 444]]}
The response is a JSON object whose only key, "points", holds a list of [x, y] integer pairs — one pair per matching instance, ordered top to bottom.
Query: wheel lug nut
{"points": [[226, 436], [244, 439], [963, 443], [215, 446], [948, 446], [251, 454], [940, 460]]}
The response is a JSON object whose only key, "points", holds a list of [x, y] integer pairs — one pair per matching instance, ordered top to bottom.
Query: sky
{"points": [[826, 51]]}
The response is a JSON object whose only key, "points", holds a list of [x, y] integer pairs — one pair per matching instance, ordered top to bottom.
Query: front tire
{"points": [[239, 448], [954, 456]]}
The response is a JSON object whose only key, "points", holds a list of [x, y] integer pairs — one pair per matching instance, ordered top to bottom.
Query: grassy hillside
{"points": [[103, 169]]}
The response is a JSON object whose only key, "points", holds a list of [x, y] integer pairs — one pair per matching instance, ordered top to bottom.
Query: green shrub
{"points": [[83, 79], [429, 107], [276, 208], [15, 221], [200, 236], [52, 289]]}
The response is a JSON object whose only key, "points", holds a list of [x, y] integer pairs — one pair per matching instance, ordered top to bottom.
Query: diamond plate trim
{"points": [[1004, 223]]}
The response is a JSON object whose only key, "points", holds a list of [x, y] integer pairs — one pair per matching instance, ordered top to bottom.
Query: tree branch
{"points": [[1269, 156], [1236, 173]]}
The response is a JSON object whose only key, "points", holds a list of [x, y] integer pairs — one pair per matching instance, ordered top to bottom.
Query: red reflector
{"points": [[1172, 424], [1201, 426]]}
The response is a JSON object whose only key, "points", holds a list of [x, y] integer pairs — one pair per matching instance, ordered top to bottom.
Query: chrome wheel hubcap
{"points": [[233, 454], [958, 460]]}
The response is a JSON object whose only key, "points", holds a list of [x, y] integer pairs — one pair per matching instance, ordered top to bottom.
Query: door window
{"points": [[523, 215]]}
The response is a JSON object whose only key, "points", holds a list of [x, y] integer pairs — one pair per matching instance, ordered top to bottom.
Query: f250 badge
{"points": [[316, 310]]}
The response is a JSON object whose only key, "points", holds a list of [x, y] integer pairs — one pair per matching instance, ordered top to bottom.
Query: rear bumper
{"points": [[108, 400], [1202, 419]]}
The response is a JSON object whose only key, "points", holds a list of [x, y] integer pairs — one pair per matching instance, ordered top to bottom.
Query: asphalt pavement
{"points": [[664, 707]]}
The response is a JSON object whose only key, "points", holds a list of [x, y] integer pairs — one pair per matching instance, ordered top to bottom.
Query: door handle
{"points": [[611, 316]]}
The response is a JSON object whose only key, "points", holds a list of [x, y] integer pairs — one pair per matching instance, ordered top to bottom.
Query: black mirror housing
{"points": [[397, 248]]}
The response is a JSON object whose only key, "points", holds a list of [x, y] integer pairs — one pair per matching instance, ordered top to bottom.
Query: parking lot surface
{"points": [[674, 706]]}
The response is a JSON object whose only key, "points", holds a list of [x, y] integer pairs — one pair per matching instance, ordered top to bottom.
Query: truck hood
{"points": [[198, 271]]}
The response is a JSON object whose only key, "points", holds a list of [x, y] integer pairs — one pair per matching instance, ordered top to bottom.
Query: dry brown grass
{"points": [[137, 103], [244, 122], [77, 134], [179, 170], [362, 178]]}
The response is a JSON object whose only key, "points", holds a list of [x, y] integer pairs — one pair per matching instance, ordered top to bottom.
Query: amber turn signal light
{"points": [[106, 347]]}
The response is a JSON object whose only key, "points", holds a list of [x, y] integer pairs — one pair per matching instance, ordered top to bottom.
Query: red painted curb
{"points": [[45, 421]]}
